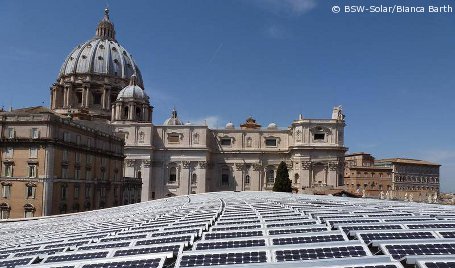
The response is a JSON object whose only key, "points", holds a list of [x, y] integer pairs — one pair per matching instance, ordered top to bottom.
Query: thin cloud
{"points": [[289, 7], [277, 32], [216, 53], [212, 121]]}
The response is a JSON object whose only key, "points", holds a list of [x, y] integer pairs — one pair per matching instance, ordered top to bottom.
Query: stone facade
{"points": [[52, 165], [395, 178]]}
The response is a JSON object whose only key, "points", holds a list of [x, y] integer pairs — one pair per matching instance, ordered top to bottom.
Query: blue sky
{"points": [[223, 60]]}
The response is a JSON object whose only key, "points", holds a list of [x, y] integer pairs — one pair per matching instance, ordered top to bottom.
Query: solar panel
{"points": [[430, 225], [295, 231], [225, 235], [368, 237], [308, 239], [166, 240], [230, 244], [103, 246], [175, 249], [398, 251], [300, 254], [76, 256], [212, 259], [15, 262], [153, 263]]}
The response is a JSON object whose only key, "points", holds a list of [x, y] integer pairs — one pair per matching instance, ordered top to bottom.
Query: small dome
{"points": [[132, 91], [173, 120], [230, 125], [272, 126]]}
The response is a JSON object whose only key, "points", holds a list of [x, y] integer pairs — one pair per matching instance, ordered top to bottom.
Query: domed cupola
{"points": [[105, 28], [93, 74], [133, 92], [132, 104], [173, 120]]}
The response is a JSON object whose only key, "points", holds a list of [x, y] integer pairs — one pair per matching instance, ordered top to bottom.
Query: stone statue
{"points": [[337, 113], [363, 193], [381, 195], [387, 195], [405, 196], [410, 198], [429, 198], [435, 198]]}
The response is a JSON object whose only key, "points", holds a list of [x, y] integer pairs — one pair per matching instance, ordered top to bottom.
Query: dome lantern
{"points": [[105, 29]]}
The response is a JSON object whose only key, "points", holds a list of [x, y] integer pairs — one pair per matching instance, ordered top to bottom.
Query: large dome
{"points": [[102, 55]]}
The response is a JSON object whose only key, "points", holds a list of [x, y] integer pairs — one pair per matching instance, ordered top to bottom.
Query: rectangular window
{"points": [[11, 133], [34, 133], [66, 136], [319, 136], [173, 138], [78, 139], [225, 141], [270, 142], [89, 143], [9, 151], [33, 152], [65, 155], [78, 157], [89, 159], [8, 170], [32, 171], [64, 172], [77, 174], [88, 174], [224, 179], [6, 191], [87, 191], [63, 192], [76, 192], [30, 194], [4, 213], [28, 214]]}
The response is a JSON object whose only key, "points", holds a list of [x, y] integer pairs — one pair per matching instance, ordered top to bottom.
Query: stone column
{"points": [[87, 96], [130, 111], [201, 177], [146, 184]]}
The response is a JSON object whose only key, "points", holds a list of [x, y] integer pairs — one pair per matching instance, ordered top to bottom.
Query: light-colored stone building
{"points": [[175, 158], [53, 165], [394, 178]]}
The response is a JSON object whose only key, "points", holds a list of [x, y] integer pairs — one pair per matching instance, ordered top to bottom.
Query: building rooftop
{"points": [[407, 161], [230, 229]]}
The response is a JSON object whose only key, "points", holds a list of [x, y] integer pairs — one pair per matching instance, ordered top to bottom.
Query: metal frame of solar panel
{"points": [[375, 237]]}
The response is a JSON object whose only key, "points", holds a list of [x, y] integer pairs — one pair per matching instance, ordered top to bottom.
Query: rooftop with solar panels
{"points": [[238, 229]]}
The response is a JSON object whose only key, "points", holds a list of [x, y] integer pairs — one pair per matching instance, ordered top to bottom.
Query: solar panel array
{"points": [[245, 229]]}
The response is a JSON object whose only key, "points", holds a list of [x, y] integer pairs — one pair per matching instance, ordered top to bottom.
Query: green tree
{"points": [[282, 181]]}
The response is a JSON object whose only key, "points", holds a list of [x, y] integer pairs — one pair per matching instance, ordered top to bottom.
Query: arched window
{"points": [[125, 112], [138, 113], [139, 175], [173, 175], [225, 176], [270, 176], [296, 178], [194, 179], [247, 179], [4, 211], [29, 211]]}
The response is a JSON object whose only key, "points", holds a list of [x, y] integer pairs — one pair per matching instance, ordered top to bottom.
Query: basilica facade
{"points": [[100, 81]]}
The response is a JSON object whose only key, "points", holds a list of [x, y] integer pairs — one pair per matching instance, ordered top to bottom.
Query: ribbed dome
{"points": [[102, 55], [132, 92]]}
